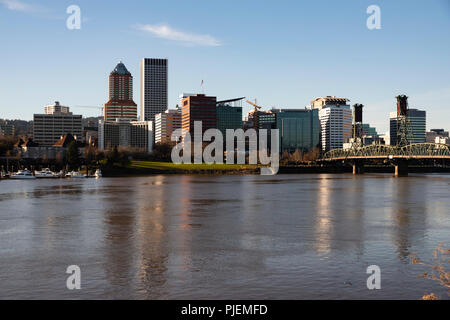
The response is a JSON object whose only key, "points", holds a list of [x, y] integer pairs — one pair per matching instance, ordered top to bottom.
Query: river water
{"points": [[222, 237]]}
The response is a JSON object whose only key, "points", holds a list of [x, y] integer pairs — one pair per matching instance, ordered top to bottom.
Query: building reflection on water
{"points": [[339, 214], [408, 214]]}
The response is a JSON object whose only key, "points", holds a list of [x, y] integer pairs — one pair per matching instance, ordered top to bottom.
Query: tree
{"points": [[162, 151], [72, 156], [113, 156]]}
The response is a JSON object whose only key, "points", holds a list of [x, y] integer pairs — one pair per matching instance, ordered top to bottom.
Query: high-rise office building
{"points": [[153, 87], [120, 104], [198, 108], [229, 114], [335, 116], [166, 123], [416, 126], [48, 128], [299, 129]]}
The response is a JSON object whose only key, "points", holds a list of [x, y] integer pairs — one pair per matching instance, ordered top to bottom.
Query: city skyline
{"points": [[233, 59]]}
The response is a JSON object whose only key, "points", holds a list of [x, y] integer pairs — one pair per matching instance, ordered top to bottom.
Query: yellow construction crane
{"points": [[256, 107], [255, 113]]}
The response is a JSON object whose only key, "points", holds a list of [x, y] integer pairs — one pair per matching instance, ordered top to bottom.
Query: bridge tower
{"points": [[357, 120], [402, 121], [403, 133], [358, 166]]}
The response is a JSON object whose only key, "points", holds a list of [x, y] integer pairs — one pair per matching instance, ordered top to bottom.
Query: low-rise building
{"points": [[125, 133], [436, 133], [30, 149]]}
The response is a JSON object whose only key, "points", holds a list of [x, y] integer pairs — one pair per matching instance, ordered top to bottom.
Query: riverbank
{"points": [[139, 168]]}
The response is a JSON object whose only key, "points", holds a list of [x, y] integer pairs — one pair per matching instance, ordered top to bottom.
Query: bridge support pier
{"points": [[358, 168], [401, 168]]}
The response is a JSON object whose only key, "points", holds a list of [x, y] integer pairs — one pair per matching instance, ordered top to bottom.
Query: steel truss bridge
{"points": [[412, 151], [398, 156]]}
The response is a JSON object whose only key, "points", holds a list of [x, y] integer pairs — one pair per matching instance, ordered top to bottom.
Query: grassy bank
{"points": [[139, 167]]}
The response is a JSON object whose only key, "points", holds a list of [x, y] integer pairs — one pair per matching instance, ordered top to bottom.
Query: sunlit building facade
{"points": [[120, 104]]}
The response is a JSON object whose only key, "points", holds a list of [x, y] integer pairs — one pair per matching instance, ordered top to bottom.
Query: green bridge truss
{"points": [[416, 150]]}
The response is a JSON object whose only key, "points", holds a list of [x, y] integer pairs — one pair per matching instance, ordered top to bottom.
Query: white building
{"points": [[153, 87], [55, 108], [335, 117], [166, 123], [125, 133], [442, 140]]}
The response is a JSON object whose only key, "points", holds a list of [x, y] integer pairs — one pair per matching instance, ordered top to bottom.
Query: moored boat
{"points": [[45, 173], [22, 174], [75, 174]]}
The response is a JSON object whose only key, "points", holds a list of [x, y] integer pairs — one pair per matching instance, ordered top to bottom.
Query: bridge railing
{"points": [[416, 149]]}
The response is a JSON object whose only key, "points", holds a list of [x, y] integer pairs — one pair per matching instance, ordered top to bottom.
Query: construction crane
{"points": [[256, 107], [255, 113]]}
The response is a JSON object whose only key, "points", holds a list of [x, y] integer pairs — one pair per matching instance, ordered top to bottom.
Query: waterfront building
{"points": [[154, 87], [120, 104], [198, 108], [335, 116], [56, 122], [416, 122], [166, 123], [299, 129], [125, 133], [29, 149]]}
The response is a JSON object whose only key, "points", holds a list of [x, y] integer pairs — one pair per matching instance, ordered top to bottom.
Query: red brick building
{"points": [[120, 103], [198, 108]]}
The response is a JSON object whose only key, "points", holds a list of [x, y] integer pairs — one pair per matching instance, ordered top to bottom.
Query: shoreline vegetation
{"points": [[143, 167]]}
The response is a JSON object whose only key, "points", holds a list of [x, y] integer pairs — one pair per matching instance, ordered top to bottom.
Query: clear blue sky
{"points": [[284, 53]]}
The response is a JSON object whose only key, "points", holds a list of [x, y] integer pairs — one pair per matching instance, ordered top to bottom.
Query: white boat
{"points": [[45, 173], [98, 173], [22, 174], [75, 174]]}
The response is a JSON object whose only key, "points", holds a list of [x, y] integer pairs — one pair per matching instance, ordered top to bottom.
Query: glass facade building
{"points": [[229, 115], [416, 126], [299, 129]]}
